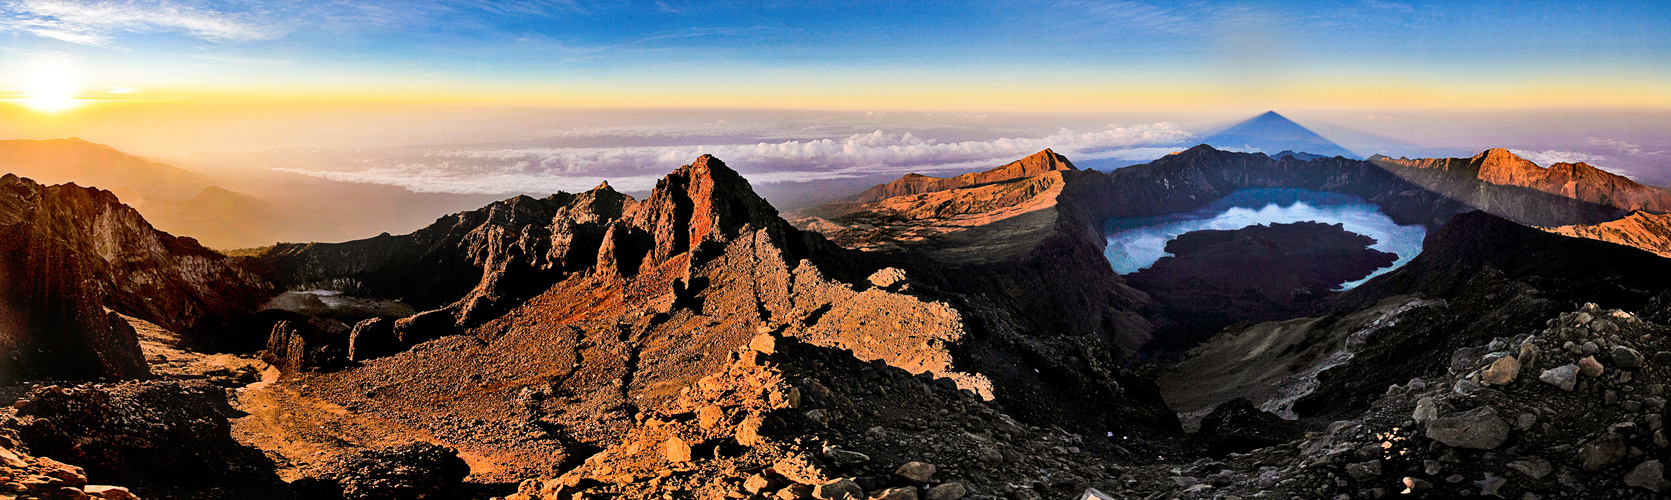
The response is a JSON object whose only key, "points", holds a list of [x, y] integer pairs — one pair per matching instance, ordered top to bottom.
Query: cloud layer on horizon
{"points": [[466, 170]]}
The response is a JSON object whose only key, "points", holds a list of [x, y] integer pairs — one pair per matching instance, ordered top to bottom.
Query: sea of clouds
{"points": [[574, 165]]}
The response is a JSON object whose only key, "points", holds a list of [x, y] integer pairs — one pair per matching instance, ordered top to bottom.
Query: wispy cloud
{"points": [[1125, 14], [99, 23], [1623, 147], [1551, 157], [545, 170]]}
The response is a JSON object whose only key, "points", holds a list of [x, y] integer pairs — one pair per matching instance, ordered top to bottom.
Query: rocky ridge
{"points": [[1579, 182], [1647, 231], [72, 252]]}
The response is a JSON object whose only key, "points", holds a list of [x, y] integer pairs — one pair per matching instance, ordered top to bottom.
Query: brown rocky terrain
{"points": [[1650, 232], [674, 283], [694, 344]]}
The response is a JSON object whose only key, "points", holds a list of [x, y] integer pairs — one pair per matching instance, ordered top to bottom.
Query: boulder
{"points": [[425, 326], [372, 338], [306, 344], [1627, 358], [1590, 367], [1501, 372], [1565, 377], [1237, 426], [1479, 429], [169, 439], [676, 450], [1602, 452], [802, 469], [406, 472], [916, 472], [1649, 475], [840, 489], [948, 491], [901, 493]]}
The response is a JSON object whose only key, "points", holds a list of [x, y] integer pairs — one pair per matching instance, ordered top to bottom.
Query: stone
{"points": [[887, 277], [763, 344], [1528, 356], [1662, 357], [1627, 358], [1590, 367], [1501, 372], [1565, 377], [1426, 410], [708, 416], [1525, 421], [1479, 429], [748, 432], [676, 450], [1602, 452], [989, 456], [842, 457], [10, 459], [1535, 468], [802, 469], [1364, 470], [404, 472], [916, 472], [1649, 475], [756, 484], [1415, 485], [1490, 485], [840, 489], [948, 491], [109, 492], [794, 492], [901, 493]]}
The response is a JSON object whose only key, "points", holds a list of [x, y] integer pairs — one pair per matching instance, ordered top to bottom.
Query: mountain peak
{"points": [[1271, 132]]}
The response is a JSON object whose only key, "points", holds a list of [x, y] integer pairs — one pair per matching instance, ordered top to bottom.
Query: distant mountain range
{"points": [[1271, 132], [215, 209]]}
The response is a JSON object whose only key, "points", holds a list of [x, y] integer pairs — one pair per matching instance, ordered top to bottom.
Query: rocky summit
{"points": [[930, 338]]}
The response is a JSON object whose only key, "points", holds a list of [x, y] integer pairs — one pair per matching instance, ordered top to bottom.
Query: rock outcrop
{"points": [[1031, 166], [1577, 181], [1646, 231], [71, 252], [677, 280], [1448, 435], [163, 439], [408, 472]]}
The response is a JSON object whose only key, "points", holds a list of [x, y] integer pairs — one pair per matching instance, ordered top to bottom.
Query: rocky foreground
{"points": [[694, 344]]}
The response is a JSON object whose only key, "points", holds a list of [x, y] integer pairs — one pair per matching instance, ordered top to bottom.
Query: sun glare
{"points": [[51, 90]]}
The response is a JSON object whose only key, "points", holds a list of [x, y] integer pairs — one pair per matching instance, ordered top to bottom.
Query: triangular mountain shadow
{"points": [[1271, 133]]}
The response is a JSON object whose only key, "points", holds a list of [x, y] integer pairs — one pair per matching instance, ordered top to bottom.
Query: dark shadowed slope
{"points": [[72, 251]]}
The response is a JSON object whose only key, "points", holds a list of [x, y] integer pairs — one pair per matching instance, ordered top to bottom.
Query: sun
{"points": [[51, 89]]}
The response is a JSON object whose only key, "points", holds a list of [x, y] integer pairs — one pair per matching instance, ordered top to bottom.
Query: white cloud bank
{"points": [[545, 170]]}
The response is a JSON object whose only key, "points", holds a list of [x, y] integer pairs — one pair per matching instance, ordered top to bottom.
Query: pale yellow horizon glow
{"points": [[50, 88], [161, 118]]}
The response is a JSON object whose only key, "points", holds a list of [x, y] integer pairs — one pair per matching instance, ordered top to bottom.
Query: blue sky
{"points": [[786, 50], [592, 90]]}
